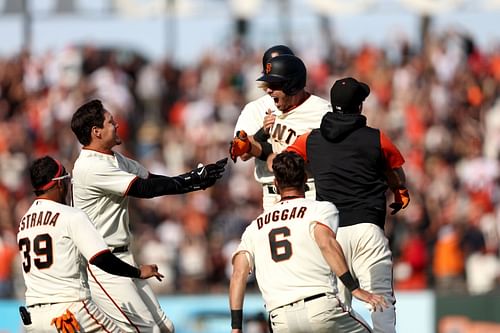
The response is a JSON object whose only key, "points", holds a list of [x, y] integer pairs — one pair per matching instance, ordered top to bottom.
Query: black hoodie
{"points": [[348, 166]]}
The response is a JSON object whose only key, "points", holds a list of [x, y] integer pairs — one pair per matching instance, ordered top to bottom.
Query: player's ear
{"points": [[96, 132], [276, 185]]}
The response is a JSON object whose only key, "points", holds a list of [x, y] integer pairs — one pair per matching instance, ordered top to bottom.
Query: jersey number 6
{"points": [[42, 246], [280, 249]]}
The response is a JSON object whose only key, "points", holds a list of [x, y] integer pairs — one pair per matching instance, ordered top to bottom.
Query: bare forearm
{"points": [[332, 252], [237, 287]]}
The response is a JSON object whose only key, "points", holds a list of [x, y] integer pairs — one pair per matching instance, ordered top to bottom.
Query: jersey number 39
{"points": [[42, 248]]}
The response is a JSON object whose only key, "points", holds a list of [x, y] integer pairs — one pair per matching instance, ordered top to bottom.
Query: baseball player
{"points": [[277, 118], [353, 166], [103, 181], [55, 242], [293, 251]]}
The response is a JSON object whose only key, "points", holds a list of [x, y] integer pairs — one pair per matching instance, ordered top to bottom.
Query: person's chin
{"points": [[118, 141]]}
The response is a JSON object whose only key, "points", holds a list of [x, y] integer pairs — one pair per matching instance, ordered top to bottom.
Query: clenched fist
{"points": [[240, 145]]}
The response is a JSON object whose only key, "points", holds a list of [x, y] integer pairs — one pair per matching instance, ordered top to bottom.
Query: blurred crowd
{"points": [[438, 102]]}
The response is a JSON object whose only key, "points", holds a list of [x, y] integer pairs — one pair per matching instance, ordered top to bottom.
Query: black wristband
{"points": [[261, 135], [267, 150], [349, 281], [236, 319]]}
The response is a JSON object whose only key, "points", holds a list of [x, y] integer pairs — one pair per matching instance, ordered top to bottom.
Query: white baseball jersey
{"points": [[251, 120], [287, 126], [100, 185], [54, 241], [288, 263]]}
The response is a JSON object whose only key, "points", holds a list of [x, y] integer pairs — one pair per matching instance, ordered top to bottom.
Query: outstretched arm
{"points": [[197, 179], [111, 264]]}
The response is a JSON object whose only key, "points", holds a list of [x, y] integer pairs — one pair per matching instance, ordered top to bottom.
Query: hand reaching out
{"points": [[148, 271]]}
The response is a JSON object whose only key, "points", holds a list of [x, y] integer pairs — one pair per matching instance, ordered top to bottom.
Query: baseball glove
{"points": [[240, 145], [205, 175], [401, 200], [66, 323]]}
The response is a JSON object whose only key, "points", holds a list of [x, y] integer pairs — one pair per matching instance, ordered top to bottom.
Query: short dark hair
{"points": [[87, 116], [289, 170], [42, 171]]}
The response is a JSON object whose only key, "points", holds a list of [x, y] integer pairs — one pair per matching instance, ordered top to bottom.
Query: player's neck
{"points": [[298, 99], [99, 148], [291, 193], [51, 195]]}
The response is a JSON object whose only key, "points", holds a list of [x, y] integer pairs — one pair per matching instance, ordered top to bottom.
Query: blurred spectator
{"points": [[439, 103], [482, 267]]}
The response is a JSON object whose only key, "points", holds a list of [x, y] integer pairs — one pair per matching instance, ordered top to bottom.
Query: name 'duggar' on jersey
{"points": [[281, 215], [38, 219]]}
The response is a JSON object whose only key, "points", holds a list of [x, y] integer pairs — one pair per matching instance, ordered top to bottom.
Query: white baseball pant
{"points": [[369, 259], [131, 303], [324, 314], [89, 317]]}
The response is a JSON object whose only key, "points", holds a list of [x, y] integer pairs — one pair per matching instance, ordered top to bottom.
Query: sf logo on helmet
{"points": [[268, 68]]}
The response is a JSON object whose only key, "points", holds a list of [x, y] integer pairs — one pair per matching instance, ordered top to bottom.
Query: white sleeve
{"points": [[250, 119], [132, 166], [110, 179], [325, 213], [85, 236], [246, 246]]}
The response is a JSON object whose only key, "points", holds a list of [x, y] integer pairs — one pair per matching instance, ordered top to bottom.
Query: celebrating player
{"points": [[291, 111], [353, 165], [103, 182], [54, 240], [293, 251]]}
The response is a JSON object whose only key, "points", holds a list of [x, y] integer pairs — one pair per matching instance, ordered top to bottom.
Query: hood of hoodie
{"points": [[336, 126]]}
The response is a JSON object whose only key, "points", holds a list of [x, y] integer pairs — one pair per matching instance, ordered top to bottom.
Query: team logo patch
{"points": [[268, 68]]}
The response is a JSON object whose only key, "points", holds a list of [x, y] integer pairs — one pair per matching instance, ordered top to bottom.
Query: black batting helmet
{"points": [[274, 51], [288, 70]]}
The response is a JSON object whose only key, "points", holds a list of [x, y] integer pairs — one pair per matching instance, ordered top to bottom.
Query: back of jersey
{"points": [[288, 263], [53, 267]]}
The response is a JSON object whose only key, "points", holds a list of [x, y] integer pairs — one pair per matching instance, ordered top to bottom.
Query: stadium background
{"points": [[176, 78]]}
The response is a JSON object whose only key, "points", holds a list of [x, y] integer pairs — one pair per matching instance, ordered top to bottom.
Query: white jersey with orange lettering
{"points": [[299, 120], [287, 126], [100, 185], [282, 240], [55, 242]]}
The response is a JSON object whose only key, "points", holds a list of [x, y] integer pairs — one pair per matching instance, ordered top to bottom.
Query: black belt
{"points": [[120, 249], [310, 298], [307, 299]]}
